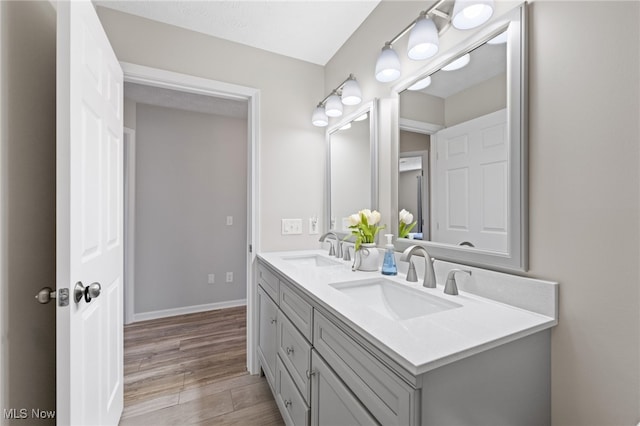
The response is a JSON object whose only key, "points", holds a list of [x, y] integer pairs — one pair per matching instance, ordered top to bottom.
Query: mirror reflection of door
{"points": [[414, 183], [464, 196]]}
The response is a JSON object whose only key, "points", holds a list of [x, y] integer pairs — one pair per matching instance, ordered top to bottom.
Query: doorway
{"points": [[234, 95]]}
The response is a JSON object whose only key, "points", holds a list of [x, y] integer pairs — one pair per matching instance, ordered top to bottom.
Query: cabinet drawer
{"points": [[269, 281], [297, 309], [295, 353], [389, 399], [292, 406]]}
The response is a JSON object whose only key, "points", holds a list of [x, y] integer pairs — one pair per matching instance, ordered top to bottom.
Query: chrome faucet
{"points": [[337, 252], [429, 274], [451, 287]]}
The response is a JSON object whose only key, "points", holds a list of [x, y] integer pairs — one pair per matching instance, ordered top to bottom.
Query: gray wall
{"points": [[289, 90], [191, 173], [584, 186], [27, 200]]}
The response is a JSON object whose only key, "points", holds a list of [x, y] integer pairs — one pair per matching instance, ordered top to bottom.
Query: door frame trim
{"points": [[155, 77]]}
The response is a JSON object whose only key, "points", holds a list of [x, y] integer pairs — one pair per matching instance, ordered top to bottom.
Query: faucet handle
{"points": [[332, 251], [346, 255], [412, 276], [451, 286]]}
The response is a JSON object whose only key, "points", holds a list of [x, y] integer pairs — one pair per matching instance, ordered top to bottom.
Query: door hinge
{"points": [[250, 248]]}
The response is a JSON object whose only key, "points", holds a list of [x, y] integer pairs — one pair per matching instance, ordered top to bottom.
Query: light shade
{"points": [[469, 14], [423, 39], [499, 39], [461, 62], [388, 65], [420, 84], [351, 93], [333, 106], [319, 117], [361, 117]]}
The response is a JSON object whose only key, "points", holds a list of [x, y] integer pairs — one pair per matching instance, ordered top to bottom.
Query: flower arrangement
{"points": [[364, 225], [405, 225]]}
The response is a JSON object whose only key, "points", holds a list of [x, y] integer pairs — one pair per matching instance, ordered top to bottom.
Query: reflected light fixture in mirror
{"points": [[424, 33], [461, 62], [421, 84], [348, 93]]}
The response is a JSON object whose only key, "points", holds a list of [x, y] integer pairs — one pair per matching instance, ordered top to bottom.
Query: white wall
{"points": [[292, 150], [191, 173], [584, 186], [27, 206]]}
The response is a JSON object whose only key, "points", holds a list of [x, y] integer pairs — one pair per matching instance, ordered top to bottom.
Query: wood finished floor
{"points": [[191, 370]]}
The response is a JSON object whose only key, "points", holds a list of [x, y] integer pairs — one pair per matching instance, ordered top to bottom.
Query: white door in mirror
{"points": [[471, 183]]}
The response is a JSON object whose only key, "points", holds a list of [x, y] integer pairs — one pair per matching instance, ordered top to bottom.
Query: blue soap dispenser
{"points": [[389, 266]]}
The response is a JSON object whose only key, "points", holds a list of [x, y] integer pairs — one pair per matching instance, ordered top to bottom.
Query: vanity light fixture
{"points": [[468, 14], [425, 30], [423, 39], [461, 62], [387, 65], [348, 93], [351, 93], [333, 106], [319, 117]]}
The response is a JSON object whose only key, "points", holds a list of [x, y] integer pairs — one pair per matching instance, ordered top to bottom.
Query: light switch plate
{"points": [[291, 226]]}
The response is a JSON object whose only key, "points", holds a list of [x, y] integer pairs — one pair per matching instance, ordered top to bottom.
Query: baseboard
{"points": [[144, 316]]}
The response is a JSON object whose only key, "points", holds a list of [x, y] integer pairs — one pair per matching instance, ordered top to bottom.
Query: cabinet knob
{"points": [[274, 320], [289, 350], [310, 373], [287, 403]]}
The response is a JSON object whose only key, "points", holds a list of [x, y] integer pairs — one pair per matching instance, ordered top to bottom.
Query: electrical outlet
{"points": [[229, 220], [291, 226], [313, 226], [229, 277], [211, 278]]}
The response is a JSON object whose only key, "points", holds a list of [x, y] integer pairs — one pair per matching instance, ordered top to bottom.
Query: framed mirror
{"points": [[462, 150], [352, 178]]}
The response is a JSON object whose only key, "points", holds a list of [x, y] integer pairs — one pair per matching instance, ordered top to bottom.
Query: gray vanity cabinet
{"points": [[267, 332], [332, 403]]}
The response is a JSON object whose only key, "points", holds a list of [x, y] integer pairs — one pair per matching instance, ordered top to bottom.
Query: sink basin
{"points": [[311, 260], [393, 300]]}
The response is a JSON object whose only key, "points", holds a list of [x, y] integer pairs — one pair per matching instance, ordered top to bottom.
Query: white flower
{"points": [[405, 217], [374, 218], [354, 219]]}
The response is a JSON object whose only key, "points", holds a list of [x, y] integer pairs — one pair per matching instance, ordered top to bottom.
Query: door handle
{"points": [[90, 292], [45, 296]]}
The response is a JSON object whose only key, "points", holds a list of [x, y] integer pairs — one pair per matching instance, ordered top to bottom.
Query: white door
{"points": [[471, 183], [89, 219]]}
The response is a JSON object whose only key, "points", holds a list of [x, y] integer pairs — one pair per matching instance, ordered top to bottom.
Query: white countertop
{"points": [[424, 343]]}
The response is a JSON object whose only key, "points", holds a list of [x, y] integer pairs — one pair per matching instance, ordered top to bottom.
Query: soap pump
{"points": [[389, 266]]}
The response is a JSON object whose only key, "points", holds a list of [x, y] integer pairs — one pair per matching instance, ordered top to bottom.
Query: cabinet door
{"points": [[267, 329], [331, 402]]}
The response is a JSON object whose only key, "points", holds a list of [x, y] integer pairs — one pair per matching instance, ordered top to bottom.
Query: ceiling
{"points": [[309, 30]]}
